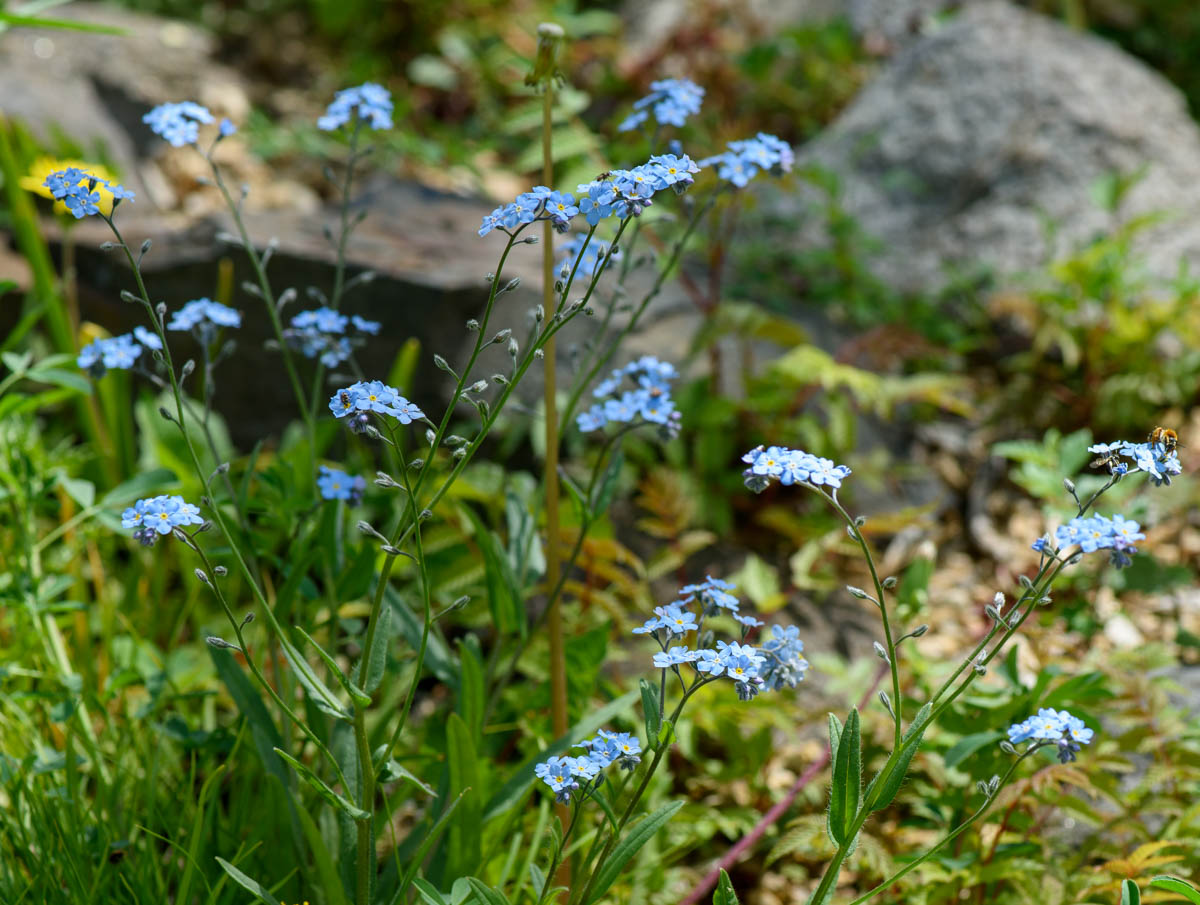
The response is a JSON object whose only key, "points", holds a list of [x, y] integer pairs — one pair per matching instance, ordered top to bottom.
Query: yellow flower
{"points": [[44, 166]]}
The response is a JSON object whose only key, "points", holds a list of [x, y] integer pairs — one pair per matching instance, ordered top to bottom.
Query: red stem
{"points": [[777, 810]]}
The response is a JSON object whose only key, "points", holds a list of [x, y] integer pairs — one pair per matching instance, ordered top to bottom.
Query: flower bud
{"points": [[473, 325], [1070, 485], [202, 575], [890, 582], [858, 592], [220, 643], [880, 652]]}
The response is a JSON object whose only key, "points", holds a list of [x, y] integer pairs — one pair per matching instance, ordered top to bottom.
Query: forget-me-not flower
{"points": [[370, 102], [178, 123], [335, 484], [159, 515]]}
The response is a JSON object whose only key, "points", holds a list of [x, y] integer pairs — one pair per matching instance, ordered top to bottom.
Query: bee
{"points": [[607, 174], [345, 397], [1164, 437], [1111, 461]]}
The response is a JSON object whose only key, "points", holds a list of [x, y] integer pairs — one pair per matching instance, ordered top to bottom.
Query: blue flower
{"points": [[671, 100], [369, 101], [178, 123], [225, 127], [745, 159], [76, 189], [589, 256], [204, 315], [365, 326], [146, 338], [102, 355], [374, 396], [651, 400], [1159, 463], [790, 466], [335, 484], [157, 516], [1096, 532], [1041, 545], [713, 593], [675, 619], [748, 621], [649, 626], [676, 656], [784, 664], [1068, 732], [614, 747], [556, 773]]}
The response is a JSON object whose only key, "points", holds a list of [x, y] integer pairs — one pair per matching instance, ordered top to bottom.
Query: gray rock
{"points": [[95, 88], [976, 133]]}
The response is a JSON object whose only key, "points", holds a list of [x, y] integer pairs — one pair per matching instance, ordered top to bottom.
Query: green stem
{"points": [[950, 837]]}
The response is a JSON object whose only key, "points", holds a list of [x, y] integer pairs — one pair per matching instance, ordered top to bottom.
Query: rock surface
{"points": [[976, 133]]}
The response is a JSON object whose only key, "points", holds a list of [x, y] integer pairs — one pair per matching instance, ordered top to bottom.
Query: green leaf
{"points": [[70, 380], [144, 484], [606, 487], [82, 492], [504, 593], [377, 656], [438, 660], [350, 688], [471, 692], [320, 695], [650, 709], [263, 731], [835, 736], [968, 745], [393, 770], [518, 784], [846, 788], [323, 790], [887, 792], [601, 799], [464, 841], [418, 859], [190, 865], [608, 872], [331, 884], [251, 886], [1178, 886], [429, 892], [485, 893], [724, 894], [1130, 894]]}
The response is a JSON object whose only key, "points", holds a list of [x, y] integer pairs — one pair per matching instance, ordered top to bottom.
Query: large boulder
{"points": [[977, 133]]}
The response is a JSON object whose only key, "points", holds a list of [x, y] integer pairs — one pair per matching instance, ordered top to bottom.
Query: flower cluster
{"points": [[671, 100], [371, 102], [179, 124], [744, 159], [84, 193], [626, 193], [539, 203], [573, 251], [205, 316], [321, 333], [117, 352], [360, 399], [651, 400], [1157, 460], [790, 466], [335, 484], [159, 515], [1096, 532], [777, 663], [1068, 732], [568, 775]]}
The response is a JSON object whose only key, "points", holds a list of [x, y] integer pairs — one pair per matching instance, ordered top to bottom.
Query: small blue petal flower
{"points": [[370, 102], [178, 123], [335, 484]]}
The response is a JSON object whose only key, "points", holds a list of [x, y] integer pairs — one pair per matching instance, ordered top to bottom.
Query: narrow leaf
{"points": [[607, 487], [377, 656], [350, 688], [324, 699], [650, 709], [835, 736], [847, 781], [323, 790], [887, 792], [608, 872], [252, 886], [1178, 886], [429, 892], [485, 893], [724, 893], [1130, 894]]}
